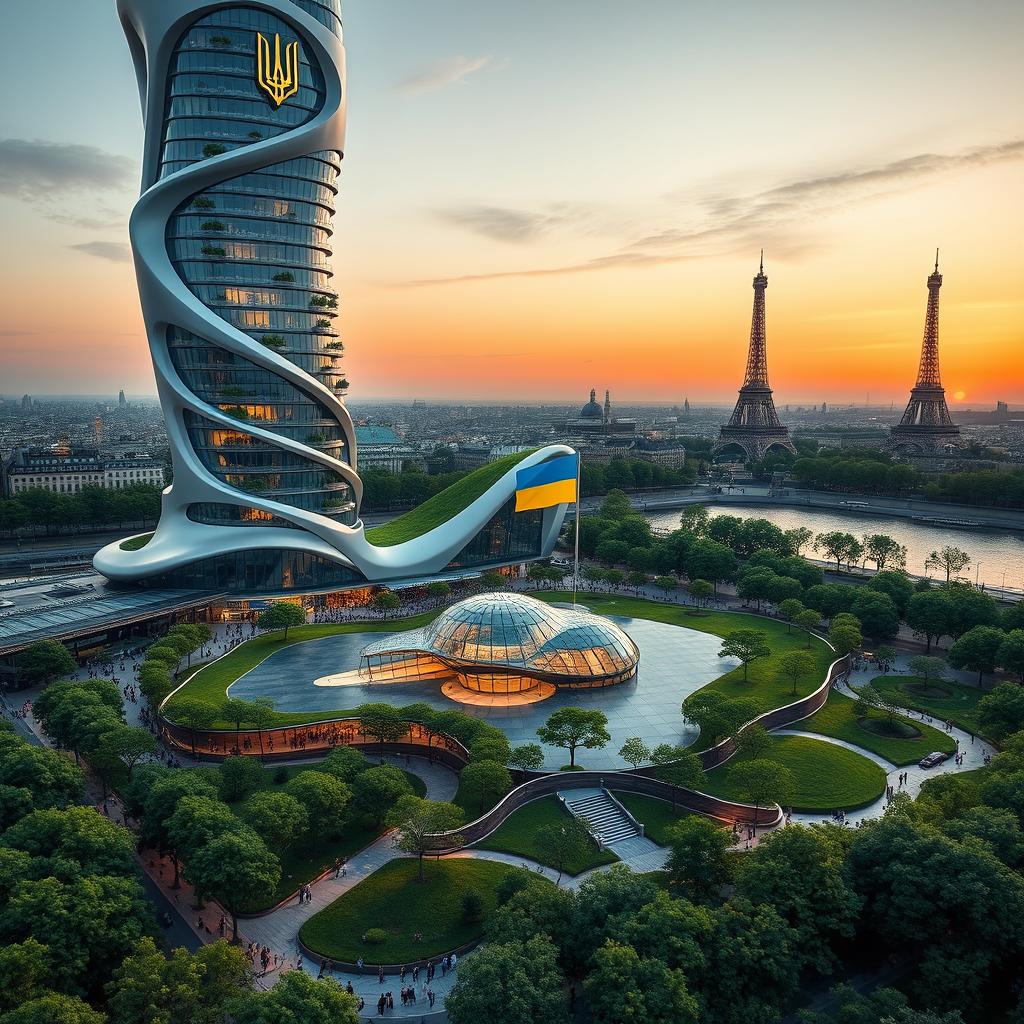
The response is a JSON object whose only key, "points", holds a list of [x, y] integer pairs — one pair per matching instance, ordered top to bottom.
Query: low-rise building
{"points": [[67, 471]]}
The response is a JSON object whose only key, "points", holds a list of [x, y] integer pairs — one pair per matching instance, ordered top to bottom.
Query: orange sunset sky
{"points": [[539, 197]]}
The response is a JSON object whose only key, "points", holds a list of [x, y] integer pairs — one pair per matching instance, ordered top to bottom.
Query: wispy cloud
{"points": [[442, 73], [35, 169], [783, 217], [507, 225], [116, 252], [18, 334]]}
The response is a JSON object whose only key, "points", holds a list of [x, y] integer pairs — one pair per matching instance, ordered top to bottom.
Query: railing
{"points": [[787, 715], [290, 741], [631, 782]]}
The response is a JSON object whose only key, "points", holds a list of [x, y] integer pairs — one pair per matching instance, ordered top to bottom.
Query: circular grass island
{"points": [[826, 777], [394, 907]]}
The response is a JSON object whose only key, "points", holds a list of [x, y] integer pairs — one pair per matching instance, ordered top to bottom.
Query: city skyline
{"points": [[501, 183]]}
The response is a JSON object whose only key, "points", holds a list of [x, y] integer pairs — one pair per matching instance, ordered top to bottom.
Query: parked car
{"points": [[932, 759]]}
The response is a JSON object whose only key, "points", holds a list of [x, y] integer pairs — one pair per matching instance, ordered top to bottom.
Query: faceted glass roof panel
{"points": [[517, 631]]}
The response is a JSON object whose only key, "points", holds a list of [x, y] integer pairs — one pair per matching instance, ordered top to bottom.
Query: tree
{"points": [[694, 519], [798, 538], [841, 546], [883, 550], [949, 559], [708, 560], [636, 579], [494, 580], [666, 584], [896, 584], [439, 590], [701, 591], [829, 598], [386, 601], [970, 608], [789, 610], [930, 613], [878, 614], [282, 615], [808, 620], [845, 637], [747, 645], [978, 650], [1010, 655], [885, 656], [44, 660], [796, 665], [927, 669], [870, 698], [236, 711], [1001, 712], [193, 715], [262, 715], [716, 715], [383, 723], [573, 727], [753, 742], [128, 744], [634, 751], [527, 758], [345, 763], [678, 766], [239, 776], [761, 782], [484, 783], [324, 797], [158, 805], [278, 818], [417, 820], [196, 822], [72, 842], [559, 845], [699, 857], [236, 869], [799, 872], [966, 918], [96, 919], [24, 967], [522, 978], [622, 986], [150, 987], [297, 997], [54, 1008]]}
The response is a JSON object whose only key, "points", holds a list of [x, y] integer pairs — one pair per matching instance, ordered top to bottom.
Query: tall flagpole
{"points": [[576, 566]]}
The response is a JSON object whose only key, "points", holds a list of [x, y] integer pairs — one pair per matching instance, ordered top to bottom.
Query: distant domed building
{"points": [[592, 411], [504, 648]]}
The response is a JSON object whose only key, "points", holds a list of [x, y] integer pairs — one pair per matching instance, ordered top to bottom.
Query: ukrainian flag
{"points": [[550, 483]]}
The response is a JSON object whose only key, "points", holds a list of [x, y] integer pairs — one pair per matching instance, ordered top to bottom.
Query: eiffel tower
{"points": [[754, 426], [926, 426]]}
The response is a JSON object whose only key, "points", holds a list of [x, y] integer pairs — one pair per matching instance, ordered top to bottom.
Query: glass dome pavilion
{"points": [[506, 643]]}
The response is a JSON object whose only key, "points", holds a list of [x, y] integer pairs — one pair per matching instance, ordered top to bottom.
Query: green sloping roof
{"points": [[441, 507]]}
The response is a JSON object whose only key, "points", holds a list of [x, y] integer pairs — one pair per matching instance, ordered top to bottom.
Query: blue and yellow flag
{"points": [[550, 483]]}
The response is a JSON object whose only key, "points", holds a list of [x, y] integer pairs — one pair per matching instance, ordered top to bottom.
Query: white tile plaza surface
{"points": [[674, 662]]}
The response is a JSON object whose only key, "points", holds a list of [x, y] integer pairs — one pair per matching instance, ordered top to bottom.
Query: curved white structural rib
{"points": [[232, 238]]}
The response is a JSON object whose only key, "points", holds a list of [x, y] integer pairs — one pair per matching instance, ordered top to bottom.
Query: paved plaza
{"points": [[674, 662]]}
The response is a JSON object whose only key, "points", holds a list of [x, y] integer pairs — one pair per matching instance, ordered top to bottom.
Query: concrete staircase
{"points": [[602, 816]]}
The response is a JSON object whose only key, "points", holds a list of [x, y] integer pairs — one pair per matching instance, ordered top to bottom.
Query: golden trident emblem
{"points": [[276, 81]]}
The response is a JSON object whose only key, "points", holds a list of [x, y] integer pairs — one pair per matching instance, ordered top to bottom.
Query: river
{"points": [[997, 558]]}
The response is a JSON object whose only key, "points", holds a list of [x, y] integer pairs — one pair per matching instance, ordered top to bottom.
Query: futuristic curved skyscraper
{"points": [[244, 107]]}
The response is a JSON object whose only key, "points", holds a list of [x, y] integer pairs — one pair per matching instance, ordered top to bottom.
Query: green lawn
{"points": [[440, 507], [136, 543], [210, 684], [763, 685], [960, 706], [839, 718], [826, 777], [657, 816], [516, 836], [314, 853], [394, 899]]}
